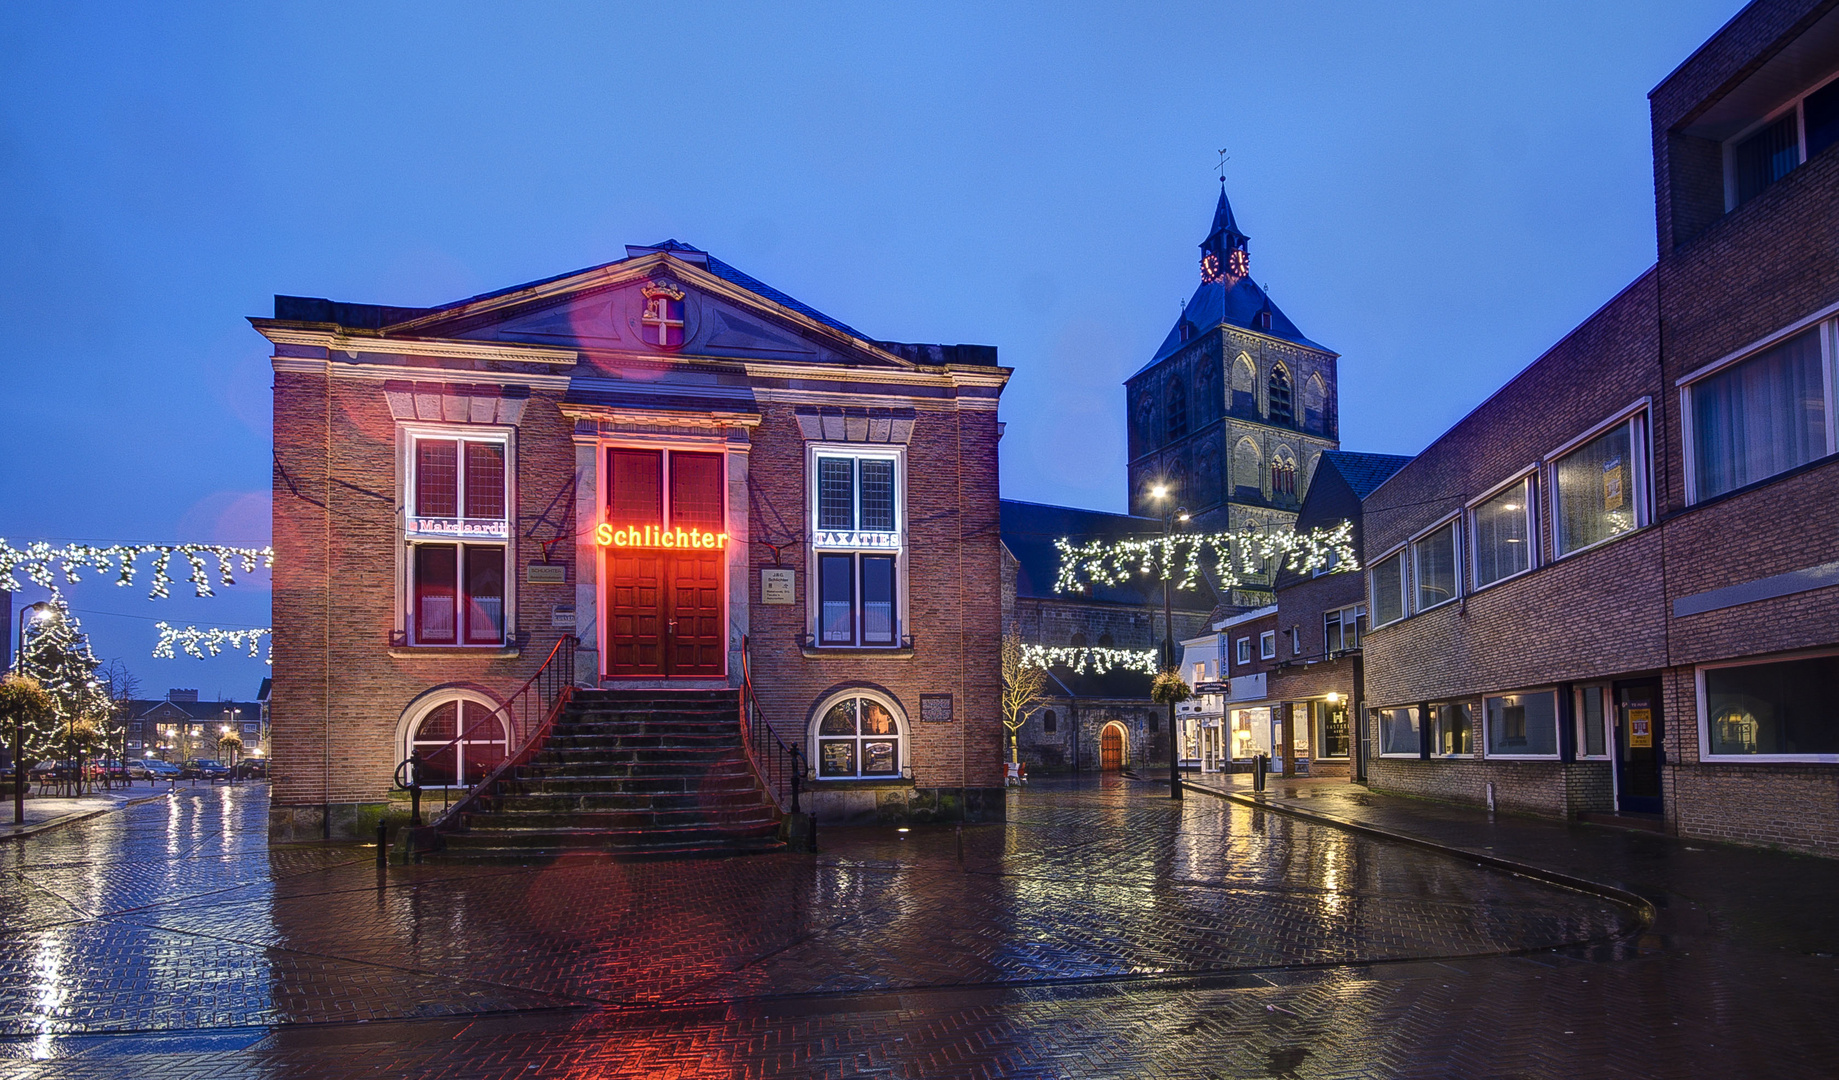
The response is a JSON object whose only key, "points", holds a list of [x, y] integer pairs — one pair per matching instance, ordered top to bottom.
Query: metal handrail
{"points": [[541, 699], [779, 765]]}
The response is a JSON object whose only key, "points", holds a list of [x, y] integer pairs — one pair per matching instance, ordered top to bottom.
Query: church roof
{"points": [[1364, 472]]}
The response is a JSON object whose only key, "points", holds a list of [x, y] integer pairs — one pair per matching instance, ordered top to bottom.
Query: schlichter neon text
{"points": [[651, 536]]}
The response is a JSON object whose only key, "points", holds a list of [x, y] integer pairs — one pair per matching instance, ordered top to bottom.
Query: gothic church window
{"points": [[1244, 386], [1315, 405], [1178, 409], [1282, 411], [1246, 464], [1283, 472], [1079, 639]]}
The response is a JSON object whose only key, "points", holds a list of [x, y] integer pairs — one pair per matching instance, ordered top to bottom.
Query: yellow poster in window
{"points": [[1613, 496], [1640, 728]]}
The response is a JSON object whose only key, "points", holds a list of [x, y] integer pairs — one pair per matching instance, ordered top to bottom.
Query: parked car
{"points": [[136, 769], [205, 769], [252, 769], [161, 770]]}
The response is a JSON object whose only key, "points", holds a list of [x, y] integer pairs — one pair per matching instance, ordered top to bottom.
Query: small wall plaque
{"points": [[546, 574], [778, 586], [562, 617], [935, 708]]}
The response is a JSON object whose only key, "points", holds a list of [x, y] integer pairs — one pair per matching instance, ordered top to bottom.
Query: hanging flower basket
{"points": [[1169, 689]]}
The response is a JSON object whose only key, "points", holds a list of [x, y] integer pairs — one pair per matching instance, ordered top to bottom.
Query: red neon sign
{"points": [[651, 536]]}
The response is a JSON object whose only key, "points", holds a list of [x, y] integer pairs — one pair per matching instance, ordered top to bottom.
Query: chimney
{"points": [[181, 695]]}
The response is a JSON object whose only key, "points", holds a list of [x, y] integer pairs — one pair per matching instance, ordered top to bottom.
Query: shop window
{"points": [[1759, 417], [1599, 490], [1502, 529], [457, 537], [857, 537], [1434, 567], [1387, 582], [1267, 645], [1779, 710], [1049, 722], [1522, 725], [1452, 729], [1398, 732], [1592, 734], [857, 736], [1337, 736], [459, 742]]}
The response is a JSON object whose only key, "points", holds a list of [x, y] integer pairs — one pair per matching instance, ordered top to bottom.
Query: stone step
{"points": [[638, 785], [701, 801], [731, 820], [605, 838], [712, 849]]}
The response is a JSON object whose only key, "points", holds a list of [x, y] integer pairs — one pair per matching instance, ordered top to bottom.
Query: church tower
{"points": [[1235, 408]]}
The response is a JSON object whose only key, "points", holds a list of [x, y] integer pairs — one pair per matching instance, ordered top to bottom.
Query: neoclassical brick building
{"points": [[667, 459], [1614, 587]]}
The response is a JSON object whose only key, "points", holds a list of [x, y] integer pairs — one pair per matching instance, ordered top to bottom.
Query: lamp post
{"points": [[1170, 515], [37, 613], [232, 714]]}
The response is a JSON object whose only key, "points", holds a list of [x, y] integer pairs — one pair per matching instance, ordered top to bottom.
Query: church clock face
{"points": [[1237, 264], [1210, 268]]}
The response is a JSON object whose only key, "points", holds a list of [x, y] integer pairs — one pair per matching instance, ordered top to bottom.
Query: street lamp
{"points": [[1171, 514], [37, 613], [227, 729]]}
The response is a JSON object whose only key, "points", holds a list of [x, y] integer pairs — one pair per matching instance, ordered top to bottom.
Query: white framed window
{"points": [[1767, 151], [1761, 414], [1599, 483], [857, 500], [1501, 528], [456, 535], [1434, 566], [1386, 582], [1341, 628], [1296, 641], [1267, 645], [1244, 650], [1594, 709], [1780, 709], [1522, 725], [1452, 729], [1398, 732], [858, 734], [460, 737]]}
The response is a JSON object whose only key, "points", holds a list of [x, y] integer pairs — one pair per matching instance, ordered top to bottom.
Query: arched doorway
{"points": [[1111, 747]]}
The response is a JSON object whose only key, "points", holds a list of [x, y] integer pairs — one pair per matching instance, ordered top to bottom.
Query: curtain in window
{"points": [[1767, 156], [1758, 418], [1596, 490], [1503, 540], [1436, 555], [436, 585], [1389, 589], [484, 595], [835, 599], [877, 600], [1523, 724], [1398, 731]]}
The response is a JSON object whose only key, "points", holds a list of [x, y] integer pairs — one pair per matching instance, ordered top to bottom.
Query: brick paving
{"points": [[1102, 931]]}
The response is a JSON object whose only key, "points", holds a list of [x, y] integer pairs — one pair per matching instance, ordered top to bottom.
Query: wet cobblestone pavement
{"points": [[1103, 931]]}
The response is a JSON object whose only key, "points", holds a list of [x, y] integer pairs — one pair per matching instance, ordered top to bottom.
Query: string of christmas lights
{"points": [[1237, 555], [42, 563], [209, 641], [1089, 661]]}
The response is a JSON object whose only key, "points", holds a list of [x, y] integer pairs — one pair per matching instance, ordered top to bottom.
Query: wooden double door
{"points": [[664, 605]]}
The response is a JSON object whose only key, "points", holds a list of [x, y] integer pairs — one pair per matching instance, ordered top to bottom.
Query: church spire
{"points": [[1223, 253]]}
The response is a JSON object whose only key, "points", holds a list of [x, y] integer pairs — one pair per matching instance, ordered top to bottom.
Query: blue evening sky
{"points": [[1438, 191]]}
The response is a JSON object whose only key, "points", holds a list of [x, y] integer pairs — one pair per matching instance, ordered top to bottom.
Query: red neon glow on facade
{"points": [[651, 536]]}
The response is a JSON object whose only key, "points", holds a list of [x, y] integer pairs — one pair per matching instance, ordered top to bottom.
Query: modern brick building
{"points": [[670, 461], [1614, 586]]}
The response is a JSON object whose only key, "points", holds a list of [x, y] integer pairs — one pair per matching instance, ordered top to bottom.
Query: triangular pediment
{"points": [[652, 305]]}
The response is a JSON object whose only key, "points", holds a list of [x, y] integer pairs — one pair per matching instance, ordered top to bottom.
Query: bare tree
{"points": [[1024, 686]]}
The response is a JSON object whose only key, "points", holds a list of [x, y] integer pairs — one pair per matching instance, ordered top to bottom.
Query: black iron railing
{"points": [[527, 716], [779, 765]]}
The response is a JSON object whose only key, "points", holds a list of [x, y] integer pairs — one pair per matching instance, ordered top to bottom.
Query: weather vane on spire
{"points": [[1221, 167]]}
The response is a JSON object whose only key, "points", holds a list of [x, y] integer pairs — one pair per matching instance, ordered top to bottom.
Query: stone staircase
{"points": [[629, 774]]}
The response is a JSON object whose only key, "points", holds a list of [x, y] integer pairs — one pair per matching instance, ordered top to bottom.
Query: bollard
{"points": [[1258, 767], [1490, 796], [811, 834], [383, 842], [960, 845]]}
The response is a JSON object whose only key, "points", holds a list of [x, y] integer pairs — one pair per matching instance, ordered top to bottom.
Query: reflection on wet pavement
{"points": [[1099, 929]]}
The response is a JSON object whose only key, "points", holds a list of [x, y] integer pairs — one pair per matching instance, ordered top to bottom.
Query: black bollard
{"points": [[1258, 768], [383, 841], [960, 845]]}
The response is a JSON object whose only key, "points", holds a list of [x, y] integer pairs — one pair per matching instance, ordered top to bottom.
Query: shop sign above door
{"points": [[460, 528], [651, 536], [854, 539]]}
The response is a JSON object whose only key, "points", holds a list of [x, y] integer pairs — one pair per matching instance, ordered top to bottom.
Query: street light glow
{"points": [[1160, 491]]}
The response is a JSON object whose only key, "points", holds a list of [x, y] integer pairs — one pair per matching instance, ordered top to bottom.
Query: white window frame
{"points": [[1729, 148], [1829, 379], [1640, 443], [1530, 477], [1455, 521], [896, 544], [1404, 586], [1349, 616], [408, 624], [1296, 641], [1267, 645], [1243, 651], [1607, 691], [1704, 711], [1487, 731], [1436, 732], [903, 752], [1417, 753]]}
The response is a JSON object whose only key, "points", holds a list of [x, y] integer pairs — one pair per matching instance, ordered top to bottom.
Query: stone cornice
{"points": [[341, 340], [362, 372]]}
